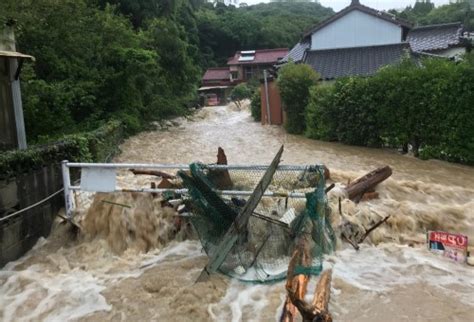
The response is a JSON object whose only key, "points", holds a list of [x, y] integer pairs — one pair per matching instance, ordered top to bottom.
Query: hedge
{"points": [[294, 82], [255, 106], [429, 106], [96, 146]]}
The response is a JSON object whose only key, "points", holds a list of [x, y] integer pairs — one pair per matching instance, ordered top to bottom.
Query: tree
{"points": [[424, 13], [224, 30], [97, 67], [239, 93]]}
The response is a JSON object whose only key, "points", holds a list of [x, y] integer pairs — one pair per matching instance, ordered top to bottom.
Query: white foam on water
{"points": [[176, 251], [384, 267], [371, 270], [67, 284], [33, 294], [242, 302]]}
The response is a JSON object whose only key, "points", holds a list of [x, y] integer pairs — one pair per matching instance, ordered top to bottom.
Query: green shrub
{"points": [[294, 82], [239, 93], [255, 106], [429, 107], [357, 113], [321, 114], [96, 146]]}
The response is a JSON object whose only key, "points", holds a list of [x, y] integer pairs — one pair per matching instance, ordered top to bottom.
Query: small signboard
{"points": [[98, 179], [453, 246]]}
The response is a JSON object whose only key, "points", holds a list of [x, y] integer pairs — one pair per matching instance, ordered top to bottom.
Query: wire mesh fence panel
{"points": [[294, 208], [263, 250]]}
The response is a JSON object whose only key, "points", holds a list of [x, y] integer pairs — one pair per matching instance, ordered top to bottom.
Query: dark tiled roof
{"points": [[357, 6], [435, 37], [297, 52], [262, 56], [355, 61], [218, 73]]}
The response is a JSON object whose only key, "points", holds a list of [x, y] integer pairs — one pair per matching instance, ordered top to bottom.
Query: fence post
{"points": [[269, 117], [68, 199]]}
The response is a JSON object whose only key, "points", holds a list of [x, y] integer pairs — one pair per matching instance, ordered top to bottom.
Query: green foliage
{"points": [[425, 13], [224, 30], [135, 61], [95, 66], [294, 82], [239, 93], [255, 106], [428, 107], [344, 112], [321, 113], [99, 146]]}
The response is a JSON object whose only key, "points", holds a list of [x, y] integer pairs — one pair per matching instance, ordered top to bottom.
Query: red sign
{"points": [[453, 240], [453, 246]]}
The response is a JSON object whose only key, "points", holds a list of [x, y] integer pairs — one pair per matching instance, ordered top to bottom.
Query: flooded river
{"points": [[392, 278]]}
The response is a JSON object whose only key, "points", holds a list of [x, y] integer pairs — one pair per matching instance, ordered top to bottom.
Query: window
{"points": [[248, 72], [234, 75]]}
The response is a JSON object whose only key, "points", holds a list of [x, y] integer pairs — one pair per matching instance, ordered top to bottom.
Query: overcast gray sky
{"points": [[377, 4]]}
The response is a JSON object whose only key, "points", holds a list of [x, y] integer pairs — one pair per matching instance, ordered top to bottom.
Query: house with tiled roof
{"points": [[445, 40], [358, 41], [248, 64], [242, 67], [217, 76]]}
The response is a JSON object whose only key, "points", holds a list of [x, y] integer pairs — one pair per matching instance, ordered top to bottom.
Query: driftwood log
{"points": [[156, 173], [327, 173], [221, 177], [165, 184], [366, 184], [296, 283], [296, 286]]}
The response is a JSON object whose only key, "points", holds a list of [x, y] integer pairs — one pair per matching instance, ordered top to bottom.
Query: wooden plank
{"points": [[240, 222]]}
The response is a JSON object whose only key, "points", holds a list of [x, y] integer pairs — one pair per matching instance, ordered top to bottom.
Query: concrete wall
{"points": [[356, 29], [18, 234]]}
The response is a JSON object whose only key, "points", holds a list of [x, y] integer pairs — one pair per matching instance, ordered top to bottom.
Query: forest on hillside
{"points": [[425, 13], [133, 60], [138, 61]]}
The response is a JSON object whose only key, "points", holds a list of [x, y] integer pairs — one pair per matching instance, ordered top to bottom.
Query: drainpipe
{"points": [[269, 116]]}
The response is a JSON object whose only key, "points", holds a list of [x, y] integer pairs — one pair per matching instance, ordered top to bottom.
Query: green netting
{"points": [[262, 251]]}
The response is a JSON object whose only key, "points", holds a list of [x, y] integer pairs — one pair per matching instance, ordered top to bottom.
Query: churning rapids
{"points": [[392, 278]]}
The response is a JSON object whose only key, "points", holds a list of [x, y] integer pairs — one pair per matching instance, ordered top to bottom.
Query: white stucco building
{"points": [[358, 40]]}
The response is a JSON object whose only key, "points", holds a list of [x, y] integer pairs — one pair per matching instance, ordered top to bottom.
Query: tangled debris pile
{"points": [[215, 196], [256, 223], [249, 232]]}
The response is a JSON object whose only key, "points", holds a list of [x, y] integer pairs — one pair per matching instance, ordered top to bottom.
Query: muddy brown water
{"points": [[387, 280]]}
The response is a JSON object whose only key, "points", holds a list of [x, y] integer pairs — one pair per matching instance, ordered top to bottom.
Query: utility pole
{"points": [[269, 117]]}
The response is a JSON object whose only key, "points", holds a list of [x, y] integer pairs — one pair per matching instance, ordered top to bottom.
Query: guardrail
{"points": [[101, 177]]}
